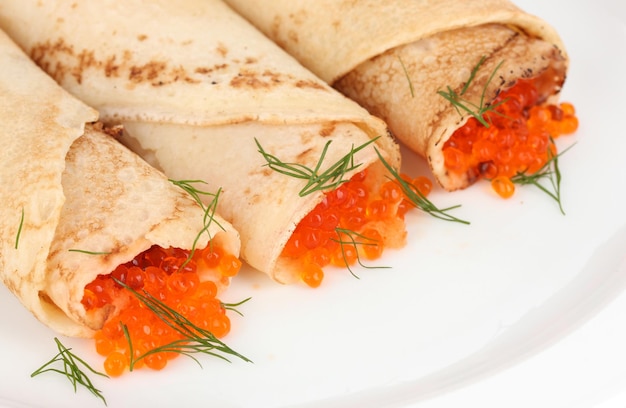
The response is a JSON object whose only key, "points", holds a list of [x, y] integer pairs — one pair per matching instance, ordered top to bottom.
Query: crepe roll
{"points": [[456, 81], [201, 94], [78, 206]]}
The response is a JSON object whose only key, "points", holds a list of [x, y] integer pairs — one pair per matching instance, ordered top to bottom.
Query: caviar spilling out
{"points": [[517, 140], [352, 223], [170, 277]]}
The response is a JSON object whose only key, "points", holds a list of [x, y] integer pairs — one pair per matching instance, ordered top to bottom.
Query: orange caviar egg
{"points": [[517, 140], [423, 184], [503, 186], [391, 192], [351, 222], [373, 247], [319, 256], [345, 256], [229, 265], [312, 274], [169, 276], [219, 325], [104, 344], [156, 361], [115, 364]]}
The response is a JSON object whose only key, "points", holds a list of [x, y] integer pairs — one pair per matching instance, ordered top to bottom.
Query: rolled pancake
{"points": [[393, 57], [193, 85], [67, 188]]}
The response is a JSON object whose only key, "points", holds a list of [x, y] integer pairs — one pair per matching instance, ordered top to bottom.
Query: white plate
{"points": [[459, 305]]}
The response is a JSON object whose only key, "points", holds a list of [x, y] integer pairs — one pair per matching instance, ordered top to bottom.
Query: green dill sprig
{"points": [[408, 78], [477, 110], [549, 170], [316, 181], [418, 199], [209, 209], [19, 229], [353, 242], [82, 251], [232, 306], [195, 339], [71, 370]]}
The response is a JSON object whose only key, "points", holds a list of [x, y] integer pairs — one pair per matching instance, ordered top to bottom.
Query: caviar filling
{"points": [[517, 140], [352, 223], [170, 277]]}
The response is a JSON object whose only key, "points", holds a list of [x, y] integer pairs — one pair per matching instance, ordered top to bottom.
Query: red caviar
{"points": [[517, 139], [352, 212], [165, 274]]}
